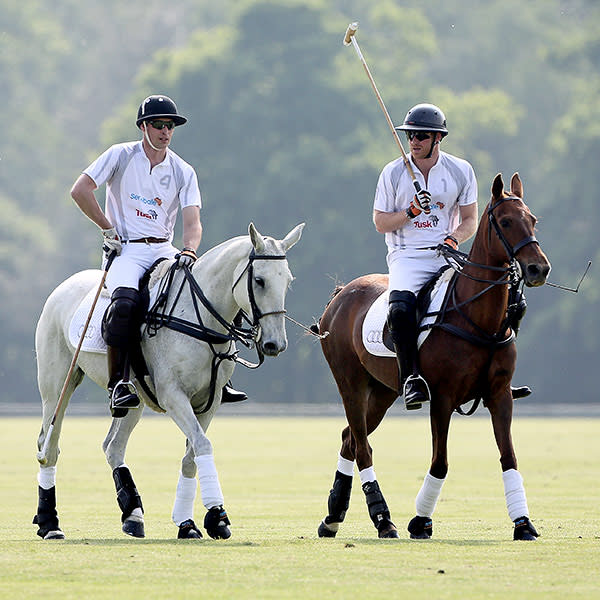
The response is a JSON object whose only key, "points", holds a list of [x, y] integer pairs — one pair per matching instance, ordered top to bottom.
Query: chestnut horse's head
{"points": [[511, 228]]}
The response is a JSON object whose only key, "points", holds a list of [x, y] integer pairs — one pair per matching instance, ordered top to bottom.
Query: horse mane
{"points": [[159, 271], [336, 290]]}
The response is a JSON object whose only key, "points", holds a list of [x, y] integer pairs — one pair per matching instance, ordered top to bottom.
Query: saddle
{"points": [[376, 336]]}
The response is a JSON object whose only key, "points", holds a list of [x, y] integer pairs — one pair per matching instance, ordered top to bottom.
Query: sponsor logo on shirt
{"points": [[151, 202], [151, 214], [429, 224]]}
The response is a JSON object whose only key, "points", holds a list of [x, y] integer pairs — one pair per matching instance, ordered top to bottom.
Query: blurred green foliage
{"points": [[284, 127]]}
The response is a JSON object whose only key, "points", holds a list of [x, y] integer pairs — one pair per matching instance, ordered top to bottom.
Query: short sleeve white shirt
{"points": [[451, 182], [143, 202]]}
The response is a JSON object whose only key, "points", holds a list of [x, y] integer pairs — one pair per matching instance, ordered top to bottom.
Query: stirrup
{"points": [[119, 398], [415, 400]]}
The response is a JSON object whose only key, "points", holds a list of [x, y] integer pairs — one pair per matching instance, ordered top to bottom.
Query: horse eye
{"points": [[505, 223], [260, 282]]}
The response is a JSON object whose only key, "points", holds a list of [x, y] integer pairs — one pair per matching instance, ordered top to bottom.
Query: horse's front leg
{"points": [[514, 492], [185, 496], [128, 498], [216, 521], [421, 526]]}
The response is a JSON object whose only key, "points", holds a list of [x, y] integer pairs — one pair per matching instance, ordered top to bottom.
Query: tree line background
{"points": [[283, 128]]}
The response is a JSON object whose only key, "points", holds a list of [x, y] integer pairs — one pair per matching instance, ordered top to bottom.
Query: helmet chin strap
{"points": [[145, 129], [431, 149]]}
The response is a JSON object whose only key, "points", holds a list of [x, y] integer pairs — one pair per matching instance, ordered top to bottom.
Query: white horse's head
{"points": [[261, 293]]}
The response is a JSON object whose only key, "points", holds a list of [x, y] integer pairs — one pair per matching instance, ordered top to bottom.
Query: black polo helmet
{"points": [[157, 106], [424, 117]]}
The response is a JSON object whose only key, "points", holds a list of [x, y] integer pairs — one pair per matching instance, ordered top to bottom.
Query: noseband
{"points": [[510, 250]]}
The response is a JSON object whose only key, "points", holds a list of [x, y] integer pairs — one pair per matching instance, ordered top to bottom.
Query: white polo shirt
{"points": [[451, 182], [141, 202]]}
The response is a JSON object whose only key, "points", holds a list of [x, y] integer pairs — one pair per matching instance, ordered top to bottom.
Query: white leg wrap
{"points": [[345, 466], [367, 474], [47, 477], [209, 481], [514, 492], [428, 495], [183, 509]]}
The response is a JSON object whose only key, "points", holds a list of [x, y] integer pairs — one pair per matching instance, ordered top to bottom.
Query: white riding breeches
{"points": [[134, 260], [410, 270]]}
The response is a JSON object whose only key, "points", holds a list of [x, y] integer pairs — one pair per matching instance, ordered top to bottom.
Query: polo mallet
{"points": [[350, 39], [41, 455]]}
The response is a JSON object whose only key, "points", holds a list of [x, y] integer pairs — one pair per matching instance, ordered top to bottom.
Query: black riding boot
{"points": [[517, 311], [402, 321], [119, 329], [121, 395], [231, 395]]}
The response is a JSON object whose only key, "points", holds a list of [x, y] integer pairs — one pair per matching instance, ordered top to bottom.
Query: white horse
{"points": [[186, 374]]}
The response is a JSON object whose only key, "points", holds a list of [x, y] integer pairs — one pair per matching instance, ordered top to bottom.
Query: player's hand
{"points": [[422, 200], [451, 241], [111, 242], [186, 258]]}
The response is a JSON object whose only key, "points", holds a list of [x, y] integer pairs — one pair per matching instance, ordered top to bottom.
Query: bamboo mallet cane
{"points": [[350, 38]]}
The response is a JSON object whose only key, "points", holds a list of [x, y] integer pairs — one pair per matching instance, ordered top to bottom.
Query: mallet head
{"points": [[350, 32]]}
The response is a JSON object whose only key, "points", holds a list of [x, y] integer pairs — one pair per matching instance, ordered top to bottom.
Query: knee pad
{"points": [[402, 311], [121, 320]]}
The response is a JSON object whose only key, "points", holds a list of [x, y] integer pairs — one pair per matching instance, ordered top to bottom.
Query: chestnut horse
{"points": [[469, 354]]}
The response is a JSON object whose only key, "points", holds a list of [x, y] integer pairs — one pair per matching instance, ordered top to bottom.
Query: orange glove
{"points": [[451, 241]]}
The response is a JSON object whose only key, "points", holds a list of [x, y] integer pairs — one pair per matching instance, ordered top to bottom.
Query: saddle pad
{"points": [[372, 329], [92, 342]]}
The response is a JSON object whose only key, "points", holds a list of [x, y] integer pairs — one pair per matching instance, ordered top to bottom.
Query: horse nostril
{"points": [[533, 270], [270, 348]]}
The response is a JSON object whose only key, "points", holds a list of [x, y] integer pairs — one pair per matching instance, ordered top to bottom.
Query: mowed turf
{"points": [[276, 474]]}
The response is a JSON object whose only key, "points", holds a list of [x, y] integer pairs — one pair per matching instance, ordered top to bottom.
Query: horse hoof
{"points": [[216, 523], [134, 528], [420, 528], [524, 530], [188, 531], [325, 531], [389, 533], [55, 534]]}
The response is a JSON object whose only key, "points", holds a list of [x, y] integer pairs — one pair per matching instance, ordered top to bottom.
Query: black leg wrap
{"points": [[127, 494], [339, 498], [378, 509], [46, 518], [216, 523], [420, 528], [524, 530], [188, 531]]}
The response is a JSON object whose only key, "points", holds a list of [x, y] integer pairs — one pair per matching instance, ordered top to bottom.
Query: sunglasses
{"points": [[158, 124], [420, 135]]}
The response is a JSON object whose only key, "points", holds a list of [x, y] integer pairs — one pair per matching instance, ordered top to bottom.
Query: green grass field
{"points": [[276, 474]]}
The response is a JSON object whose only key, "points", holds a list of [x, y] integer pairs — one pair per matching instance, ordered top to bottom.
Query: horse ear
{"points": [[497, 186], [516, 186], [292, 237], [256, 238]]}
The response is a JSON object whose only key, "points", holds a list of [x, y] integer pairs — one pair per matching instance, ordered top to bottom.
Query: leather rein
{"points": [[157, 317]]}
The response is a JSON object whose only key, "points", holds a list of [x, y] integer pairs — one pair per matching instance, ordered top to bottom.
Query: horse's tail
{"points": [[336, 290]]}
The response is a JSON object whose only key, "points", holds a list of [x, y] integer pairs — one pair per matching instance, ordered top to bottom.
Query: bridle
{"points": [[510, 250], [510, 275], [257, 314], [158, 317]]}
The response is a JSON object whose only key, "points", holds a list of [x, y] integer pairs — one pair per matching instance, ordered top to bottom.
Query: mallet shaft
{"points": [[351, 39]]}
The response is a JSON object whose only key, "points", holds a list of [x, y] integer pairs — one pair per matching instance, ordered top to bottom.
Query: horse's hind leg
{"points": [[53, 366], [363, 418], [514, 492], [339, 495], [128, 498]]}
